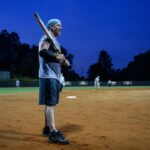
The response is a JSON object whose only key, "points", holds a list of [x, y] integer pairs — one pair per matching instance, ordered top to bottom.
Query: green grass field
{"points": [[35, 89]]}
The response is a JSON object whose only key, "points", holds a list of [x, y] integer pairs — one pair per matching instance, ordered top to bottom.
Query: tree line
{"points": [[21, 60], [137, 70]]}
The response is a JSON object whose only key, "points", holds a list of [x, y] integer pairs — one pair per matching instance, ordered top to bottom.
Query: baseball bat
{"points": [[48, 33]]}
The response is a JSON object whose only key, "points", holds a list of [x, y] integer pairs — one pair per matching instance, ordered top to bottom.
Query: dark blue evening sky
{"points": [[121, 27]]}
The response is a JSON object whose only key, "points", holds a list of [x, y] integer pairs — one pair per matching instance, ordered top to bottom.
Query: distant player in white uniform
{"points": [[97, 82], [17, 83], [109, 83]]}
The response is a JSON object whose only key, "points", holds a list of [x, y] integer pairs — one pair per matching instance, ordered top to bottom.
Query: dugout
{"points": [[4, 75]]}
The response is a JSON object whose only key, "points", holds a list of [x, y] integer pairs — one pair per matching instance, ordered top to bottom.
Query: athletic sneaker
{"points": [[46, 131], [57, 137]]}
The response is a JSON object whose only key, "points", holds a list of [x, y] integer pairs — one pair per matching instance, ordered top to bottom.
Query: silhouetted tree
{"points": [[9, 43], [103, 67], [138, 69]]}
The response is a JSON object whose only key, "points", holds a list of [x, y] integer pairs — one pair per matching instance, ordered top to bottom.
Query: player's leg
{"points": [[98, 84], [52, 99], [42, 101], [50, 117], [46, 129]]}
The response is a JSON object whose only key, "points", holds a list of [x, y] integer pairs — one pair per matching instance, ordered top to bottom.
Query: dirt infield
{"points": [[103, 119]]}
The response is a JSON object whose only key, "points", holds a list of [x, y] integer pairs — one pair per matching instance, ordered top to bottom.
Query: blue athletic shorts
{"points": [[49, 90]]}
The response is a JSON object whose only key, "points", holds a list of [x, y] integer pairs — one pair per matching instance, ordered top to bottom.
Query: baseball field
{"points": [[115, 118]]}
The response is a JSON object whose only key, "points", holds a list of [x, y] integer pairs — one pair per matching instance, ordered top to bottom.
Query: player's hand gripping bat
{"points": [[48, 33]]}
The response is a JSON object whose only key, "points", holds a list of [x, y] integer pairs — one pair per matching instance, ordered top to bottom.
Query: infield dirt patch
{"points": [[99, 119]]}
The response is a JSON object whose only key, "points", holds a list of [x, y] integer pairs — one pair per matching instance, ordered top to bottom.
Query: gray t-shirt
{"points": [[48, 69]]}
